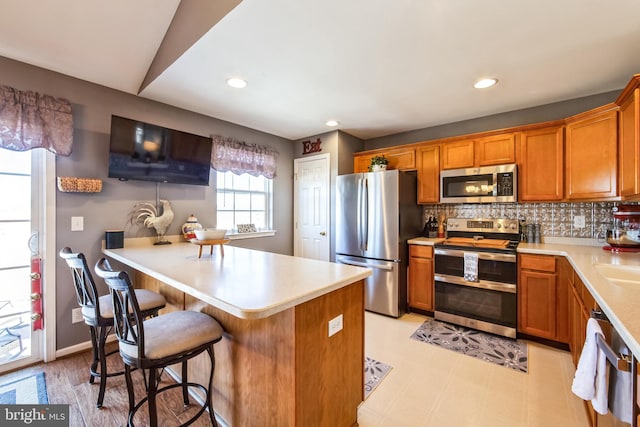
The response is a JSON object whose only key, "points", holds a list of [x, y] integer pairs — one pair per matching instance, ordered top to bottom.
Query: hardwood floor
{"points": [[67, 382]]}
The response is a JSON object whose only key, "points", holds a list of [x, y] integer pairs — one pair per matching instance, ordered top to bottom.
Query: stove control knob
{"points": [[498, 225], [513, 226]]}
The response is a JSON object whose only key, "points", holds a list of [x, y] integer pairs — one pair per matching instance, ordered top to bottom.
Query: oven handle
{"points": [[481, 255], [483, 284]]}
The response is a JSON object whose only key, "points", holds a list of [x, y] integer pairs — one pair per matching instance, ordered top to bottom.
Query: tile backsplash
{"points": [[556, 219]]}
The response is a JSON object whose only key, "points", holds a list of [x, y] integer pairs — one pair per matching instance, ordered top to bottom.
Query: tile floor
{"points": [[435, 387]]}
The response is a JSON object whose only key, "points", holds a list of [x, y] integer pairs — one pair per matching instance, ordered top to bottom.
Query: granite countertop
{"points": [[246, 283], [620, 302]]}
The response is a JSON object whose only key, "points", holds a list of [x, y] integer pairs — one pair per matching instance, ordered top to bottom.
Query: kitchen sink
{"points": [[620, 274]]}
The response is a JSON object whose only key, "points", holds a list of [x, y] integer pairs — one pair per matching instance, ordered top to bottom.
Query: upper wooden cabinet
{"points": [[629, 136], [495, 150], [485, 151], [458, 154], [399, 158], [591, 162], [428, 164], [541, 164]]}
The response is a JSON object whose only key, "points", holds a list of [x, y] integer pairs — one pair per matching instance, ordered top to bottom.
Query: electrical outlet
{"points": [[579, 221], [76, 315], [335, 325]]}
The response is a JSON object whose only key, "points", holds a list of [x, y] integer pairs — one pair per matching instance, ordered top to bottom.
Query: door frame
{"points": [[296, 163], [48, 251]]}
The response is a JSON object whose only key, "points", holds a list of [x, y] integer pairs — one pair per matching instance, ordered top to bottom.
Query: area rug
{"points": [[492, 348], [374, 373], [25, 391]]}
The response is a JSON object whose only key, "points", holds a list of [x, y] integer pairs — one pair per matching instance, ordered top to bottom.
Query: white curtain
{"points": [[32, 120], [229, 154]]}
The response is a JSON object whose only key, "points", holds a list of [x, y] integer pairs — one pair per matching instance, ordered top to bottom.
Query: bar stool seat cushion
{"points": [[146, 299], [174, 333]]}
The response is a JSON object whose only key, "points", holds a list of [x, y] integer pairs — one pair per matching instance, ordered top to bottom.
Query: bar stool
{"points": [[97, 312], [158, 342]]}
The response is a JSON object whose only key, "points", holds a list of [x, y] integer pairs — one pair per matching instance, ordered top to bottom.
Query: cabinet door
{"points": [[629, 132], [495, 150], [458, 154], [592, 156], [402, 158], [361, 163], [541, 165], [428, 174], [565, 271], [421, 277], [537, 304]]}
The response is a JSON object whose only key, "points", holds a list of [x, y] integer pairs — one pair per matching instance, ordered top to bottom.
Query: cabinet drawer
{"points": [[421, 251], [538, 262]]}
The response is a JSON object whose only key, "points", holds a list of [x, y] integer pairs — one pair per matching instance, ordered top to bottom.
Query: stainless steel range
{"points": [[476, 275]]}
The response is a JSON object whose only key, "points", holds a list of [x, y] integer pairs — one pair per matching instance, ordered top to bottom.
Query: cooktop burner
{"points": [[482, 234]]}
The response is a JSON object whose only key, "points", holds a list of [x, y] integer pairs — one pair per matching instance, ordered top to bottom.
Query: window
{"points": [[243, 199]]}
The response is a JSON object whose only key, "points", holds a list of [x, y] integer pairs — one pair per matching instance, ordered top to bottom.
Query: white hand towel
{"points": [[470, 266], [590, 380], [600, 401]]}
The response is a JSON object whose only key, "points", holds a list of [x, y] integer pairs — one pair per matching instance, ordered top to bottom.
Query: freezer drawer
{"points": [[382, 293]]}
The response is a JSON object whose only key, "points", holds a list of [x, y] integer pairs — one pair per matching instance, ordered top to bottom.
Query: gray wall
{"points": [[92, 108], [543, 113], [341, 147]]}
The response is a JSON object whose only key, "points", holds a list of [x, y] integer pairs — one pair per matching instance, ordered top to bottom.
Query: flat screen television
{"points": [[147, 152]]}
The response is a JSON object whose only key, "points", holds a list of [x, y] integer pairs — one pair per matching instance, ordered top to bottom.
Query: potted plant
{"points": [[378, 163]]}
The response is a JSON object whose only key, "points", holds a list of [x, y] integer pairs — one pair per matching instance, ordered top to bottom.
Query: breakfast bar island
{"points": [[277, 364]]}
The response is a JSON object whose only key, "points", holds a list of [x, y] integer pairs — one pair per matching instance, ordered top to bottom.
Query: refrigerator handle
{"points": [[359, 214], [365, 215]]}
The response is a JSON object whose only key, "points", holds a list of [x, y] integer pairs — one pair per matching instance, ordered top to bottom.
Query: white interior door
{"points": [[311, 207]]}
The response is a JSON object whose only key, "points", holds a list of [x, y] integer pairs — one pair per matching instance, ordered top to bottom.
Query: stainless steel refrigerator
{"points": [[376, 213]]}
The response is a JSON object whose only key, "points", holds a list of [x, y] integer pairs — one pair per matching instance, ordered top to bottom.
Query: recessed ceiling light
{"points": [[236, 82], [485, 83], [332, 123]]}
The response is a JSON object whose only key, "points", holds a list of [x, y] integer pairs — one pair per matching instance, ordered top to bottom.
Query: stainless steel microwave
{"points": [[479, 185]]}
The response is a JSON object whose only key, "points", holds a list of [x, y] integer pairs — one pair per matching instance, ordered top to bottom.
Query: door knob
{"points": [[322, 233], [34, 276], [35, 296], [35, 317]]}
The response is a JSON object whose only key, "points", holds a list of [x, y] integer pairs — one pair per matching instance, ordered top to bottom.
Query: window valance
{"points": [[30, 120], [230, 154]]}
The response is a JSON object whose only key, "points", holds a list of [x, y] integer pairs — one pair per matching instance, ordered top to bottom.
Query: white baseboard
{"points": [[83, 346]]}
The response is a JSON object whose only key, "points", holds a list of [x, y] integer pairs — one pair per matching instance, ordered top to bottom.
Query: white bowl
{"points": [[209, 234]]}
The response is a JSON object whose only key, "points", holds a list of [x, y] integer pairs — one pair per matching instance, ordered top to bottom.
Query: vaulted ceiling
{"points": [[378, 67]]}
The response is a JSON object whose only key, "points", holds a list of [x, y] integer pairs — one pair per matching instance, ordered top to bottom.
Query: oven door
{"points": [[492, 266], [490, 310]]}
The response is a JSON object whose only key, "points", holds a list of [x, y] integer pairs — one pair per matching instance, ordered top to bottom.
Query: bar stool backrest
{"points": [[86, 292], [127, 318]]}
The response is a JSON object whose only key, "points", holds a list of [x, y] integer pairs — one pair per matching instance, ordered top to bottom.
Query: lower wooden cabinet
{"points": [[420, 281], [542, 298]]}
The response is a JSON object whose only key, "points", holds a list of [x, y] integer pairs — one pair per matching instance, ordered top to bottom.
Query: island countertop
{"points": [[246, 283]]}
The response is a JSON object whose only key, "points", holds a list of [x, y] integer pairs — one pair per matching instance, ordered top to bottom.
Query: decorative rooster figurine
{"points": [[147, 214]]}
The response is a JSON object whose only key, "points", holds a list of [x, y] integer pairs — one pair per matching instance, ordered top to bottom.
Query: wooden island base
{"points": [[284, 370]]}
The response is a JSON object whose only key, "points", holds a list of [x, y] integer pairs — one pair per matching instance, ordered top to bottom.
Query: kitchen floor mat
{"points": [[492, 348], [374, 373]]}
